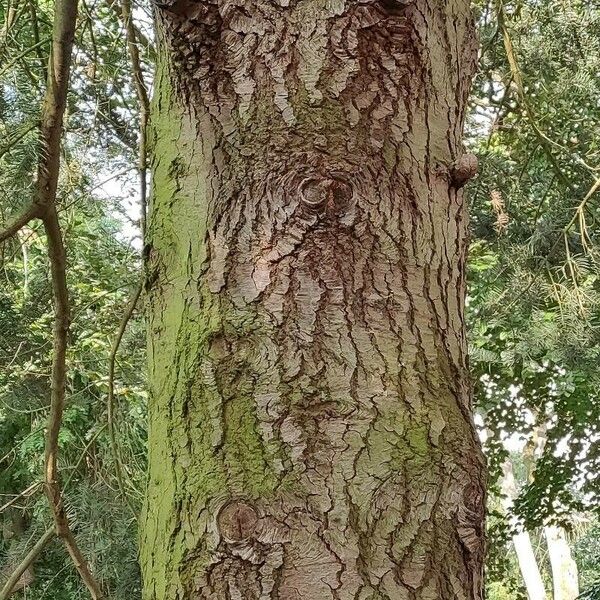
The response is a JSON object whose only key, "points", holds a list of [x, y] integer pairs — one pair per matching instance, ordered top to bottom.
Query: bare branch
{"points": [[65, 18], [10, 20], [63, 34], [36, 36], [139, 36], [23, 54], [144, 105], [18, 137], [544, 141], [33, 211], [57, 255], [110, 402], [82, 455], [24, 494], [12, 581]]}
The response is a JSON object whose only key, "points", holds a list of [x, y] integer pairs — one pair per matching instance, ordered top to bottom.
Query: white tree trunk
{"points": [[522, 542], [565, 580]]}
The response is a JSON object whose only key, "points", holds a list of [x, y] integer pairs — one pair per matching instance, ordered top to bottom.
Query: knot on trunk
{"points": [[395, 7], [464, 169], [325, 195], [237, 521]]}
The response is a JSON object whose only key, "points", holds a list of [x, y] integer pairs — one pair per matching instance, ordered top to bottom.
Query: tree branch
{"points": [[65, 18], [63, 34], [36, 36], [139, 36], [23, 54], [144, 104], [18, 137], [544, 140], [33, 211], [57, 255], [110, 402], [24, 494], [12, 581]]}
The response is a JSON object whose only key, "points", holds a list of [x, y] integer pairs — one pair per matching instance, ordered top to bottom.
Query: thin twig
{"points": [[11, 18], [65, 18], [139, 36], [36, 37], [23, 54], [144, 104], [18, 137], [545, 141], [581, 207], [31, 212], [577, 216], [110, 402], [21, 441], [82, 455], [24, 494], [54, 578], [12, 581]]}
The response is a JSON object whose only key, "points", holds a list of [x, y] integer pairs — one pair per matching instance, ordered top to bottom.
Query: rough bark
{"points": [[310, 421]]}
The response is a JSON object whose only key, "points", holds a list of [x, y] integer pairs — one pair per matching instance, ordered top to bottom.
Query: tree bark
{"points": [[310, 421]]}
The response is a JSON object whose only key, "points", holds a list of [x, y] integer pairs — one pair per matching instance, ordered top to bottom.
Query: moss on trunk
{"points": [[310, 426]]}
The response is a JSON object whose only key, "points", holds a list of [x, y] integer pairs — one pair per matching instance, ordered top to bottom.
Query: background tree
{"points": [[100, 269], [534, 284]]}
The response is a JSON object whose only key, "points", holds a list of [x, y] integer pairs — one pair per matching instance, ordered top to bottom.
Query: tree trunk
{"points": [[310, 420], [528, 565], [565, 579]]}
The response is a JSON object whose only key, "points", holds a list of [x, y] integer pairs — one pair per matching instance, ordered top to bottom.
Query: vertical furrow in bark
{"points": [[310, 429]]}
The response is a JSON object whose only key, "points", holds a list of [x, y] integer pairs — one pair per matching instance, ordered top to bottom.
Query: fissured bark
{"points": [[310, 420]]}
